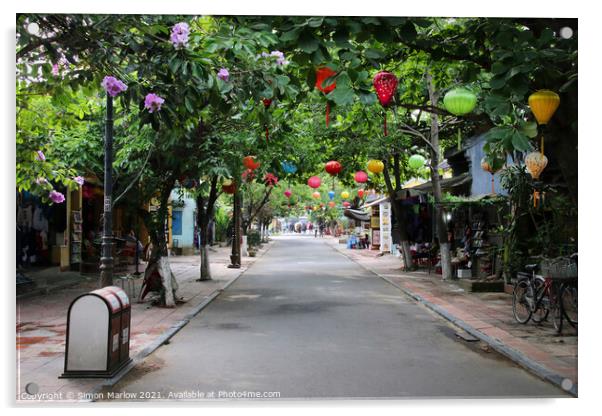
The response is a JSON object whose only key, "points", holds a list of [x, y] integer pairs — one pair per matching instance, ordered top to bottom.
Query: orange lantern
{"points": [[322, 74], [250, 163], [376, 166], [493, 168], [316, 195], [331, 204]]}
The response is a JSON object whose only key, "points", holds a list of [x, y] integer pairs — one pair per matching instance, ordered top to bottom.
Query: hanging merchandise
{"points": [[322, 74], [385, 84], [460, 101], [266, 103], [543, 104], [415, 162], [536, 162], [250, 163], [376, 166], [288, 167], [494, 167], [361, 176], [314, 182], [229, 187], [288, 193], [360, 193], [316, 195], [331, 195], [331, 204], [346, 204]]}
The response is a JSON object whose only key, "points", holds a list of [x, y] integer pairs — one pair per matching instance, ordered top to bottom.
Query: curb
{"points": [[169, 333], [514, 355]]}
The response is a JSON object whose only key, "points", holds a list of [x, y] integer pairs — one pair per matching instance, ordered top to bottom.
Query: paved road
{"points": [[308, 322]]}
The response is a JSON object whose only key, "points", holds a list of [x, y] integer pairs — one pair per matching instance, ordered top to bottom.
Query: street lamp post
{"points": [[106, 260]]}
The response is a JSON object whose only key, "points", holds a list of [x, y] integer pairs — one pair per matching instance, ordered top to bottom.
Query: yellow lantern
{"points": [[543, 104], [536, 162], [376, 166], [344, 194]]}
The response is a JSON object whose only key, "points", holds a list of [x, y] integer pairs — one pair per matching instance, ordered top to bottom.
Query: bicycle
{"points": [[567, 294], [532, 297]]}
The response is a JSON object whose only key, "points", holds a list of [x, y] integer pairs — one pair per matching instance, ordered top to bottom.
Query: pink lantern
{"points": [[361, 176], [314, 182], [288, 193], [346, 204]]}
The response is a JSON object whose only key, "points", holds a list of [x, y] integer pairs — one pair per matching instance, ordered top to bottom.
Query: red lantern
{"points": [[322, 74], [385, 84], [266, 102], [250, 163], [333, 167], [248, 175], [361, 176], [270, 179], [314, 182], [229, 188], [288, 193], [360, 193], [346, 204]]}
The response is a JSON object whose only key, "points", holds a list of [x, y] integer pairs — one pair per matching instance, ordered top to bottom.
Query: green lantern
{"points": [[460, 101], [416, 162]]}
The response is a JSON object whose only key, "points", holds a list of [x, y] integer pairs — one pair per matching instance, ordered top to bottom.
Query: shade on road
{"points": [[307, 322]]}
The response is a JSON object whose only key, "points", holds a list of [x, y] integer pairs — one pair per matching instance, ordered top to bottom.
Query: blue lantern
{"points": [[288, 167], [331, 195]]}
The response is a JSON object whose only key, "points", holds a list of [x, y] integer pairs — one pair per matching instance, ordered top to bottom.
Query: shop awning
{"points": [[446, 184], [376, 202], [356, 214]]}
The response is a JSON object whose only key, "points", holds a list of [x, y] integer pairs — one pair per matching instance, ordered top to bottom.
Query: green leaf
{"points": [[315, 21], [291, 35], [308, 43], [372, 53], [342, 95], [368, 98], [520, 142]]}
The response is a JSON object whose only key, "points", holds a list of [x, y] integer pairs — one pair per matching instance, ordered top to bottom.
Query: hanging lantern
{"points": [[322, 74], [385, 84], [460, 101], [266, 103], [544, 104], [415, 162], [250, 163], [536, 163], [376, 166], [288, 167], [333, 167], [492, 168], [248, 175], [361, 176], [270, 179], [314, 182], [229, 187], [288, 193], [360, 193], [344, 194], [316, 195], [331, 195], [332, 204], [346, 204]]}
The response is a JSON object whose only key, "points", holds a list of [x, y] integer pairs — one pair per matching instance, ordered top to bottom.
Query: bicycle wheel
{"points": [[522, 298], [569, 303], [543, 309]]}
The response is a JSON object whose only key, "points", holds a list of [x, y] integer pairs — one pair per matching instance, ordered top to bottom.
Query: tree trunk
{"points": [[204, 216], [401, 220], [236, 230], [446, 267]]}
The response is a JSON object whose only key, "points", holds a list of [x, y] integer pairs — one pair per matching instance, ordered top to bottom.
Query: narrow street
{"points": [[307, 322]]}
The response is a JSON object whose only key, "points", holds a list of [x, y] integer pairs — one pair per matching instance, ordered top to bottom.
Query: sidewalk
{"points": [[486, 316], [41, 322]]}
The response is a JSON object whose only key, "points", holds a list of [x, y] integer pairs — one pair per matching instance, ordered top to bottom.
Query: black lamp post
{"points": [[106, 259]]}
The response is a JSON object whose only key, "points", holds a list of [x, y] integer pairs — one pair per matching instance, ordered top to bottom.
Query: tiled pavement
{"points": [[488, 313], [41, 323]]}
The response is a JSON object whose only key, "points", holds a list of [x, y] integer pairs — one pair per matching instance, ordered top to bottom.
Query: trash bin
{"points": [[98, 334]]}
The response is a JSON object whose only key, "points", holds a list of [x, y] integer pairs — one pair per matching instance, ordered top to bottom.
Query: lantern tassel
{"points": [[327, 113], [385, 124], [267, 134], [542, 140], [492, 184]]}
